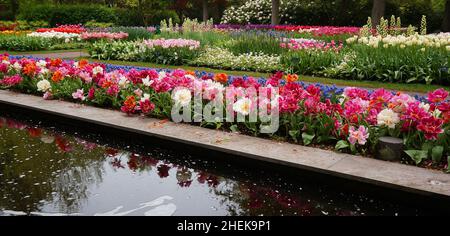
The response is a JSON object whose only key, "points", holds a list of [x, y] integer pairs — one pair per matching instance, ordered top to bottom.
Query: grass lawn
{"points": [[415, 88]]}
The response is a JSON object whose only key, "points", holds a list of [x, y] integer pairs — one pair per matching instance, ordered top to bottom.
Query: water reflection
{"points": [[46, 171]]}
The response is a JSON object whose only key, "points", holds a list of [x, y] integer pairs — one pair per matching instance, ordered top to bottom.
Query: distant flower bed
{"points": [[73, 29], [315, 30], [55, 35], [103, 35], [172, 43], [351, 121]]}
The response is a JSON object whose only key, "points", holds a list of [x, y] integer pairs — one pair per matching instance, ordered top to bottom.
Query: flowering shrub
{"points": [[104, 35], [223, 59], [352, 121]]}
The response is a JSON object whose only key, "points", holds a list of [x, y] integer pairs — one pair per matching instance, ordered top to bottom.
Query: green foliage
{"points": [[68, 14], [95, 24], [254, 42], [21, 43], [136, 51], [216, 57], [309, 62], [396, 64]]}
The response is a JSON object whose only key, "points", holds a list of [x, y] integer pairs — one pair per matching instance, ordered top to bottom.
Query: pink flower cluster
{"points": [[320, 30], [104, 35], [172, 43], [311, 45], [9, 81]]}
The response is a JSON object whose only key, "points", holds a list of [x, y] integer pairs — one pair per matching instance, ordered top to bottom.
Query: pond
{"points": [[55, 169]]}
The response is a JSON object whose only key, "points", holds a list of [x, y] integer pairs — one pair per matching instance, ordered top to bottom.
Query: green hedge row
{"points": [[80, 14]]}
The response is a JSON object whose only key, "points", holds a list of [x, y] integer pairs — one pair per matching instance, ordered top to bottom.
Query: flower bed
{"points": [[72, 29], [103, 35], [67, 37], [162, 51], [352, 121]]}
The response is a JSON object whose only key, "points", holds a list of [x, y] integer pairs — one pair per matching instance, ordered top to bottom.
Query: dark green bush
{"points": [[68, 14], [134, 17]]}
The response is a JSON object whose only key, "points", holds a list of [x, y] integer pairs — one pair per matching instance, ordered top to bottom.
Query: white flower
{"points": [[6, 62], [41, 63], [17, 66], [97, 70], [123, 82], [147, 82], [43, 86], [182, 96], [145, 97], [242, 106], [424, 106], [388, 117]]}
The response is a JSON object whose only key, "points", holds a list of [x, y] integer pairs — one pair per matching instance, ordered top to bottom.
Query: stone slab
{"points": [[382, 173]]}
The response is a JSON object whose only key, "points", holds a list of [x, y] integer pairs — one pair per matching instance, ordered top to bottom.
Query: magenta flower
{"points": [[10, 81], [437, 95], [431, 127], [359, 135]]}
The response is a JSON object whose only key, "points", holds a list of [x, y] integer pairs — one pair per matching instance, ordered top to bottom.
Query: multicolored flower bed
{"points": [[351, 120]]}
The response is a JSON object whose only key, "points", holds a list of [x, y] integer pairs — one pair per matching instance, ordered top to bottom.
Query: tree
{"points": [[205, 10], [378, 11], [275, 12], [446, 21]]}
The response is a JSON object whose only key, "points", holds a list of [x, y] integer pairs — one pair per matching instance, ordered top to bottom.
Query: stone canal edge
{"points": [[395, 176]]}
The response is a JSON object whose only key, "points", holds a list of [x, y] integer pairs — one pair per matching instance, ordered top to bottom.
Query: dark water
{"points": [[48, 170]]}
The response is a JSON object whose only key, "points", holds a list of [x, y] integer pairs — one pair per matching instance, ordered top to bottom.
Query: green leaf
{"points": [[234, 128], [294, 134], [307, 138], [341, 145], [436, 153], [417, 155]]}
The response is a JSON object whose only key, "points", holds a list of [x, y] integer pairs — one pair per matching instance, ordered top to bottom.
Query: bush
{"points": [[68, 14], [133, 17], [95, 24], [22, 43], [309, 62]]}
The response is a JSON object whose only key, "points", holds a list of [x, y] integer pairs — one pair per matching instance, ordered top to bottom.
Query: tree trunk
{"points": [[14, 7], [205, 10], [378, 11], [275, 12], [343, 14], [446, 21]]}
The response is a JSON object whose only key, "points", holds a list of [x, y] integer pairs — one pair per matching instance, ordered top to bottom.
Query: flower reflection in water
{"points": [[46, 171]]}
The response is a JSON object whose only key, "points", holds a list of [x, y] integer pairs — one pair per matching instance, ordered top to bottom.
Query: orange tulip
{"points": [[57, 76], [221, 78], [291, 78]]}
